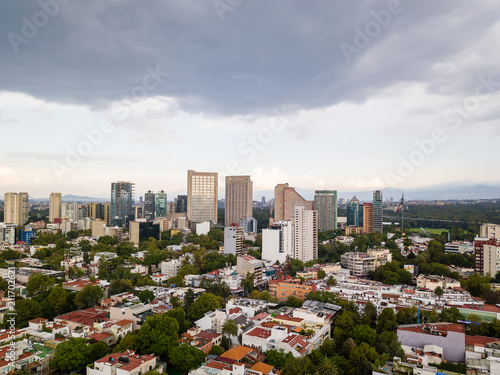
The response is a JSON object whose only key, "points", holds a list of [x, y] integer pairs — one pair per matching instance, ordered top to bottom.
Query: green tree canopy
{"points": [[206, 302], [158, 334], [72, 355], [186, 357]]}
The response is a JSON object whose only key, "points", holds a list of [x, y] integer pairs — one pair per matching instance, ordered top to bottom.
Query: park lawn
{"points": [[429, 230]]}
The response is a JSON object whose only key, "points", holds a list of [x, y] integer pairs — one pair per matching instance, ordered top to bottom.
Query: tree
{"points": [[321, 274], [331, 281], [248, 283], [39, 284], [476, 284], [119, 286], [438, 292], [88, 296], [146, 296], [189, 298], [57, 299], [293, 301], [206, 302], [26, 309], [370, 315], [450, 315], [180, 316], [386, 321], [230, 328], [364, 333], [158, 334], [126, 342], [99, 350], [216, 350], [72, 355], [186, 357], [277, 358], [361, 359], [298, 366], [327, 367]]}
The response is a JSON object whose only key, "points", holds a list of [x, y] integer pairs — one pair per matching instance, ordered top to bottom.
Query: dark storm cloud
{"points": [[262, 55]]}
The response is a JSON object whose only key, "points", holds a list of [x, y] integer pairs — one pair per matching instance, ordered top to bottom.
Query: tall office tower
{"points": [[202, 189], [239, 193], [122, 200], [263, 201], [285, 201], [279, 202], [325, 202], [160, 204], [181, 204], [149, 206], [54, 207], [16, 208], [69, 210], [95, 210], [83, 211], [353, 212], [378, 212], [107, 213], [367, 217], [305, 226], [277, 242]]}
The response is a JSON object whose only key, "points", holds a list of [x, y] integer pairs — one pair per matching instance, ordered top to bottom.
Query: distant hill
{"points": [[75, 198]]}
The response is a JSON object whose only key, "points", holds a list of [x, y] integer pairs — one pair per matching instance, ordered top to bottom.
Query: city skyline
{"points": [[311, 79]]}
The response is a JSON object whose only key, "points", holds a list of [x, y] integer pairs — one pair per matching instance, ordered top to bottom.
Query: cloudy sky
{"points": [[347, 95]]}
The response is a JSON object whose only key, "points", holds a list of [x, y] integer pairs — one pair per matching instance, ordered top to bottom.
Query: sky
{"points": [[346, 95]]}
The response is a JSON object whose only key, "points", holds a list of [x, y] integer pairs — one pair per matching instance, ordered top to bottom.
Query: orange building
{"points": [[283, 289]]}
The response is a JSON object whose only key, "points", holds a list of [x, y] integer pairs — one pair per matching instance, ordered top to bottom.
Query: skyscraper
{"points": [[202, 189], [239, 193], [122, 200], [285, 201], [325, 202], [160, 204], [181, 204], [149, 206], [54, 207], [16, 208], [69, 210], [95, 210], [353, 212], [378, 212], [367, 217], [305, 226]]}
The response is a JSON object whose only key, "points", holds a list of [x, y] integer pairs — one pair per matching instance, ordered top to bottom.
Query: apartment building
{"points": [[360, 264]]}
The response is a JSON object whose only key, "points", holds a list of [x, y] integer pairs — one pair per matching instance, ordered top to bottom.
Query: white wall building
{"points": [[305, 225], [233, 240], [277, 242]]}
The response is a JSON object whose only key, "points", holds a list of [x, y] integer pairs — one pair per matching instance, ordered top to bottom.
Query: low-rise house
{"points": [[126, 363]]}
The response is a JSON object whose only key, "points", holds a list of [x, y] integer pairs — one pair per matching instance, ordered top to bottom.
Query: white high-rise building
{"points": [[202, 189], [55, 207], [16, 208], [305, 225], [233, 240], [277, 242]]}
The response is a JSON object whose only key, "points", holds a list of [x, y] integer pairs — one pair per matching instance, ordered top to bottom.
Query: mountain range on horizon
{"points": [[449, 191]]}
